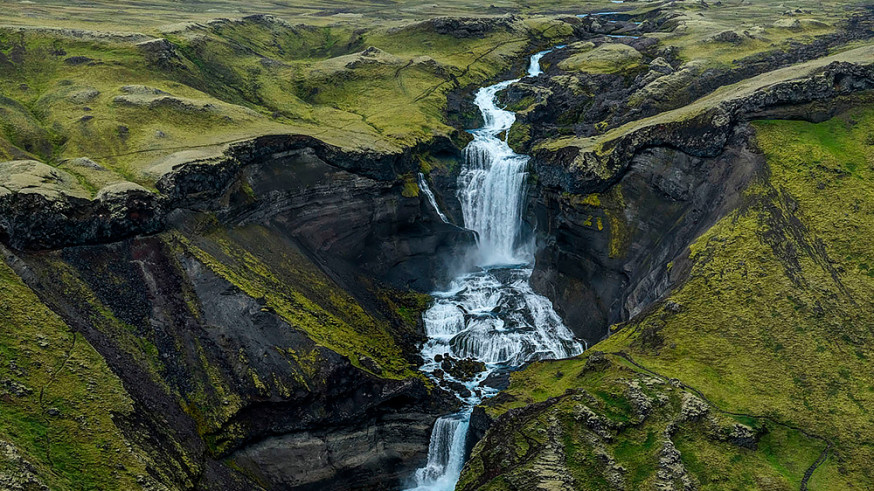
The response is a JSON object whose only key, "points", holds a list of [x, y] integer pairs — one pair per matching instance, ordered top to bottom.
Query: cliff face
{"points": [[618, 211], [717, 243], [610, 255], [266, 332]]}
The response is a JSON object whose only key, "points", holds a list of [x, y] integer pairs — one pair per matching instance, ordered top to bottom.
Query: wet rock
{"points": [[464, 369], [499, 379], [456, 387]]}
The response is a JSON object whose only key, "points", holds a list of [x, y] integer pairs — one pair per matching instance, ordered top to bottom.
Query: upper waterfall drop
{"points": [[491, 315]]}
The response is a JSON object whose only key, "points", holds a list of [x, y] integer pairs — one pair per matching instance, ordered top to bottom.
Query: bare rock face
{"points": [[658, 188], [45, 207], [619, 266], [229, 377]]}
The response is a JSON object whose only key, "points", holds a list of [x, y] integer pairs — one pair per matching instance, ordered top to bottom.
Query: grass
{"points": [[606, 58], [236, 79], [601, 144], [262, 266], [775, 318], [45, 367], [779, 460]]}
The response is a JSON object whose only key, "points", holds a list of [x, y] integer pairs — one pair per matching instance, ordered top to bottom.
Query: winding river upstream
{"points": [[491, 314]]}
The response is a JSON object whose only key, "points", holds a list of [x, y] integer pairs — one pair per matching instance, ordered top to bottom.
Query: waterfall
{"points": [[423, 185], [491, 314], [445, 454]]}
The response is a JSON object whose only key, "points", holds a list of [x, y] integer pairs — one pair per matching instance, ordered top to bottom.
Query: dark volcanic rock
{"points": [[467, 27], [670, 197], [603, 264], [263, 387]]}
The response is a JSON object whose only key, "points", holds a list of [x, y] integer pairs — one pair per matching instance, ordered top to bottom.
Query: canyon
{"points": [[321, 269]]}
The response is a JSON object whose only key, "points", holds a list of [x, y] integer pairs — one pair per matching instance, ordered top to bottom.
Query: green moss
{"points": [[606, 58], [233, 80], [518, 136], [411, 187], [263, 266], [774, 321], [46, 367]]}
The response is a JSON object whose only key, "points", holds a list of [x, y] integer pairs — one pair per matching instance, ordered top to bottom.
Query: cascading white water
{"points": [[423, 185], [492, 314]]}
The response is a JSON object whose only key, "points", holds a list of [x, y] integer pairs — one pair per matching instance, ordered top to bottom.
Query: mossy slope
{"points": [[775, 318], [59, 401]]}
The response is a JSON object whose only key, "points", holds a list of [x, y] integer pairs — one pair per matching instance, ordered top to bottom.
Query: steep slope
{"points": [[237, 254], [772, 329]]}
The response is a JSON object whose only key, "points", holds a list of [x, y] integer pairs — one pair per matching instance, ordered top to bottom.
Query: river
{"points": [[490, 314]]}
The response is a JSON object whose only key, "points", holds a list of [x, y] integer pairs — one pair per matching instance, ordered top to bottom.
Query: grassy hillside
{"points": [[138, 109], [773, 323], [60, 401]]}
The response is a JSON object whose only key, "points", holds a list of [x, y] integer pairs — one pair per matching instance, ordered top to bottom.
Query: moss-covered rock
{"points": [[770, 331]]}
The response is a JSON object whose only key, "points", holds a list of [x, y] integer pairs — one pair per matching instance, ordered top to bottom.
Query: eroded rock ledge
{"points": [[701, 129], [42, 207], [617, 212]]}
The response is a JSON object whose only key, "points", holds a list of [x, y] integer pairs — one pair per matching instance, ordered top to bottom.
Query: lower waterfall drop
{"points": [[491, 315]]}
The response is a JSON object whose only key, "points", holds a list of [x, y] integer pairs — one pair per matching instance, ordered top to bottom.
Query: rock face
{"points": [[44, 207], [351, 209], [352, 221], [616, 243], [603, 263], [219, 367], [238, 375], [582, 436]]}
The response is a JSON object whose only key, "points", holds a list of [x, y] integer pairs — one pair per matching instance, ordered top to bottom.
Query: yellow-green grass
{"points": [[139, 16], [761, 26], [606, 58], [233, 80], [601, 144], [265, 266], [775, 319], [80, 447], [779, 460]]}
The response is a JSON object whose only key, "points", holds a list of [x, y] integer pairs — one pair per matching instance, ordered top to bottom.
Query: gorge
{"points": [[406, 245], [490, 316]]}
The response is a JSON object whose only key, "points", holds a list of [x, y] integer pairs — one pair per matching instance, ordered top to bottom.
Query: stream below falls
{"points": [[490, 314]]}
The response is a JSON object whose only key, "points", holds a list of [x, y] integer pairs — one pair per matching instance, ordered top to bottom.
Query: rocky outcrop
{"points": [[468, 27], [588, 103], [700, 129], [659, 185], [345, 205], [44, 207], [606, 260], [215, 371], [228, 378]]}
